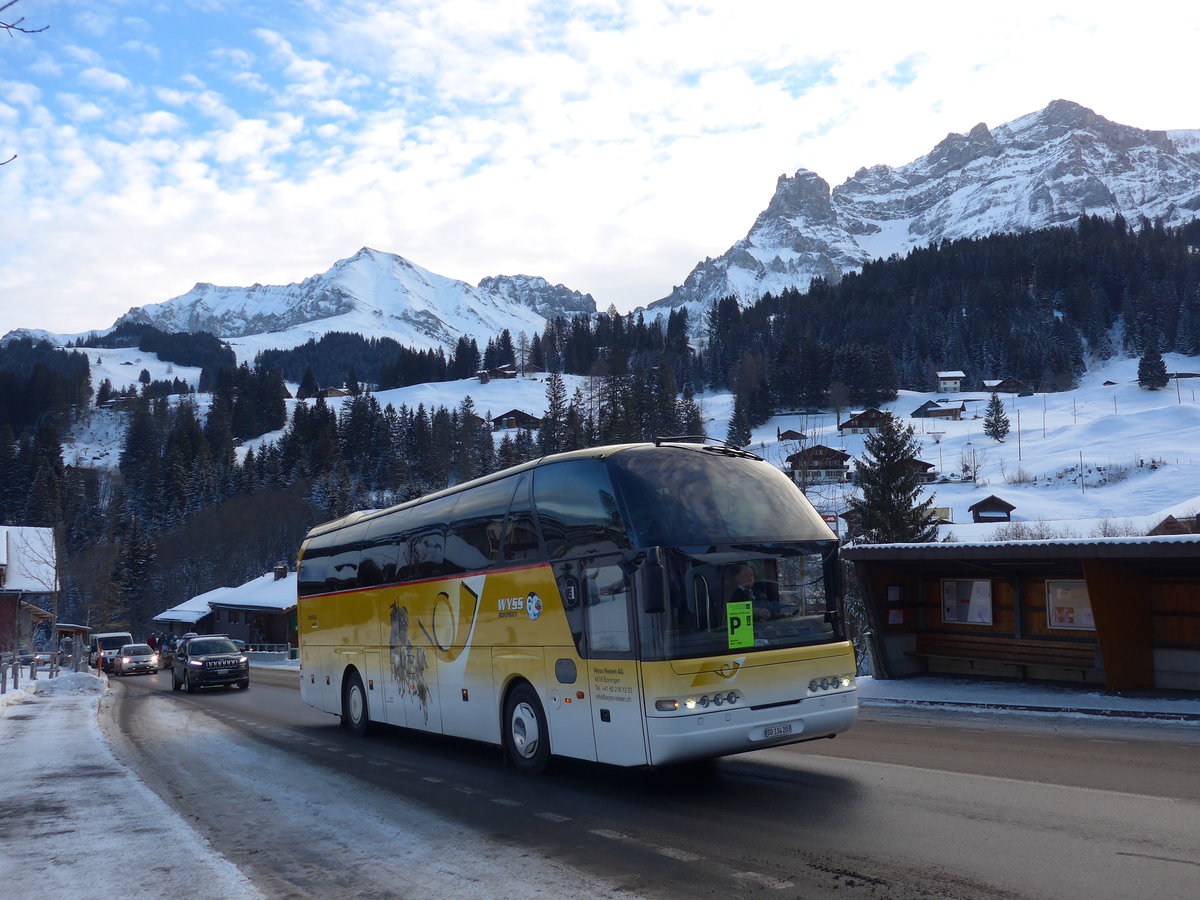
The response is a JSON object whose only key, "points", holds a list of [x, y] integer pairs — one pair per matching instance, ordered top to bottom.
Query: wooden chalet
{"points": [[508, 370], [1007, 385], [932, 409], [515, 418], [866, 422], [790, 435], [818, 464], [924, 471], [991, 509], [1172, 525]]}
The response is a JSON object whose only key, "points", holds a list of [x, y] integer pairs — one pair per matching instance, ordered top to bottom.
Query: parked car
{"points": [[103, 647], [134, 658], [209, 660]]}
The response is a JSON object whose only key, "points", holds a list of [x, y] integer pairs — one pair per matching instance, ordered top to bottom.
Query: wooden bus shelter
{"points": [[1119, 612]]}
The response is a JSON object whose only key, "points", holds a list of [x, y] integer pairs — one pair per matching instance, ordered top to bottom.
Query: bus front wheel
{"points": [[354, 706], [526, 737]]}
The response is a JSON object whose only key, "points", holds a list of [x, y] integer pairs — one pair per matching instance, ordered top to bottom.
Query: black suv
{"points": [[207, 660]]}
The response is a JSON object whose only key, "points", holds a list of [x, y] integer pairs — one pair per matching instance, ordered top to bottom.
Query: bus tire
{"points": [[355, 712], [526, 736]]}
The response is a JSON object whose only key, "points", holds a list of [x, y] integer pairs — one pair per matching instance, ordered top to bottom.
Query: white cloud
{"points": [[104, 79], [80, 110], [159, 122], [606, 146]]}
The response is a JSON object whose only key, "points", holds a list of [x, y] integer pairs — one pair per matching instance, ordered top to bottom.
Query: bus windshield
{"points": [[676, 497], [746, 555], [743, 598]]}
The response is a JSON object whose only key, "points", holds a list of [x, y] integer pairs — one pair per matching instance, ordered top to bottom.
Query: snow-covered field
{"points": [[1139, 450]]}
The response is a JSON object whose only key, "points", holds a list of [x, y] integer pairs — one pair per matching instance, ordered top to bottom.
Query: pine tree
{"points": [[1152, 371], [308, 385], [691, 417], [995, 420], [739, 424], [551, 436], [888, 510]]}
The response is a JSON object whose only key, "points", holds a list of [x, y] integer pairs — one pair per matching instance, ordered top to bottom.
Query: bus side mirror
{"points": [[653, 581]]}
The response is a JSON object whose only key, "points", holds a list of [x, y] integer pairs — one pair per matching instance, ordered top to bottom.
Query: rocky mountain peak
{"points": [[1045, 169], [806, 194]]}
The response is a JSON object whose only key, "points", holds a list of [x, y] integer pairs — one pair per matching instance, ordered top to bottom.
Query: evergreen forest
{"points": [[184, 511]]}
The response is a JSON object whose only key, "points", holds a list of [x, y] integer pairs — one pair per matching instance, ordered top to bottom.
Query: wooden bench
{"points": [[1024, 653]]}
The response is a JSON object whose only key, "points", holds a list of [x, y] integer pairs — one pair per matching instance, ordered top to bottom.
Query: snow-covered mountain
{"points": [[1042, 170], [374, 294]]}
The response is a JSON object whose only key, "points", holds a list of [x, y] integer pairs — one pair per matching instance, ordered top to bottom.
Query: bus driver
{"points": [[747, 588]]}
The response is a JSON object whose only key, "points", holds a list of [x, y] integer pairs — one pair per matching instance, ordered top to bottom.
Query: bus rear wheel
{"points": [[354, 706], [526, 737]]}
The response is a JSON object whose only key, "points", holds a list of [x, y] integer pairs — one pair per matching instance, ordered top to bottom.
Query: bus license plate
{"points": [[777, 730]]}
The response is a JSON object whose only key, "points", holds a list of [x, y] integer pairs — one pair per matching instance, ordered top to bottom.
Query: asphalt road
{"points": [[906, 804]]}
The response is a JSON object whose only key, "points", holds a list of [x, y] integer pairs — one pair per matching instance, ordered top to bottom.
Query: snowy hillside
{"points": [[1138, 448]]}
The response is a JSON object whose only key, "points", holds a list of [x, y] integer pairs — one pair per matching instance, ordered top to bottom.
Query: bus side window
{"points": [[577, 509], [426, 537], [473, 539], [520, 539], [380, 552], [425, 553], [330, 562], [314, 566], [342, 574], [606, 610]]}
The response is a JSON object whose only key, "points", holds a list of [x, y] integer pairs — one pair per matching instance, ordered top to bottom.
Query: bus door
{"points": [[613, 672], [569, 685]]}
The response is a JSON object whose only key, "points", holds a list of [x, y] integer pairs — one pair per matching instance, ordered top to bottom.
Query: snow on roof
{"points": [[954, 374], [1076, 544], [27, 555], [264, 592]]}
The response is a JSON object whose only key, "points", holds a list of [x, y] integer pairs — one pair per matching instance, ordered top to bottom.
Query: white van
{"points": [[104, 646]]}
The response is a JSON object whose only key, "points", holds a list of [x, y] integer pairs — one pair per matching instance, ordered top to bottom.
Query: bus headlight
{"points": [[830, 683], [704, 701]]}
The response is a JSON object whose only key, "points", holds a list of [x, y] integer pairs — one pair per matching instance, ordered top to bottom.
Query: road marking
{"points": [[432, 779], [504, 801], [553, 817], [611, 835], [676, 853], [765, 880]]}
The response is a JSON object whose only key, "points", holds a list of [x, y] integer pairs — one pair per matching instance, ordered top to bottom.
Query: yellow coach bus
{"points": [[636, 605]]}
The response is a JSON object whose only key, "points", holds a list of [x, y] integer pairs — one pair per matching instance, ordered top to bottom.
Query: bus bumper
{"points": [[732, 730]]}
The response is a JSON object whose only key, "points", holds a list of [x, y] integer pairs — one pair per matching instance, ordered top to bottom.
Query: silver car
{"points": [[134, 658]]}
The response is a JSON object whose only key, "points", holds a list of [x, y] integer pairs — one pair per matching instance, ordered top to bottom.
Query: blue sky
{"points": [[609, 146]]}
